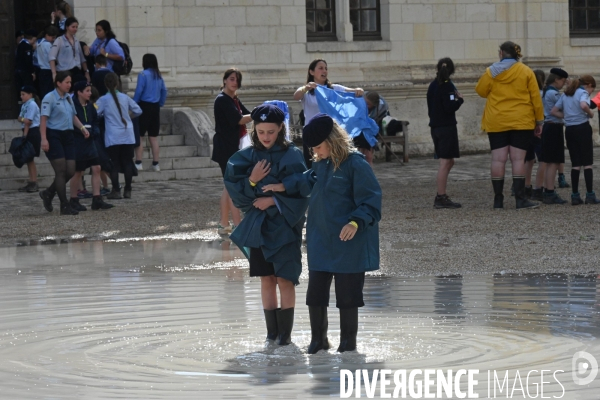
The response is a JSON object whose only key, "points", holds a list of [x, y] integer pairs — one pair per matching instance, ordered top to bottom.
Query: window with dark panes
{"points": [[584, 17], [365, 18], [320, 20]]}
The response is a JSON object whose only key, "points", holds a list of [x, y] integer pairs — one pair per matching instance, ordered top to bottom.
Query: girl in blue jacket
{"points": [[271, 232], [342, 233]]}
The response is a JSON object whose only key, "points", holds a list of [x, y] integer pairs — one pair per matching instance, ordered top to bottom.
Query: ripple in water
{"points": [[156, 319]]}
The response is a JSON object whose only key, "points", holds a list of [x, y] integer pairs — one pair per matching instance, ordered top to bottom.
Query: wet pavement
{"points": [[173, 318]]}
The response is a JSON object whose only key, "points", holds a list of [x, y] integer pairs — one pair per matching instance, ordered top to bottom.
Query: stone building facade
{"points": [[196, 40]]}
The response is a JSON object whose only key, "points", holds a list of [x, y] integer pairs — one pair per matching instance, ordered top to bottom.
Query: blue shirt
{"points": [[111, 47], [42, 52], [150, 89], [549, 101], [571, 107], [59, 110], [30, 111], [116, 132]]}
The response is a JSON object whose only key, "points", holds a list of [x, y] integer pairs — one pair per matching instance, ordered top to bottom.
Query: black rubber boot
{"points": [[498, 184], [522, 202], [271, 319], [285, 324], [318, 329], [348, 329]]}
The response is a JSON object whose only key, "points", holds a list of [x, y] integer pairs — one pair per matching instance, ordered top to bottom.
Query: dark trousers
{"points": [[45, 82], [121, 156], [348, 289]]}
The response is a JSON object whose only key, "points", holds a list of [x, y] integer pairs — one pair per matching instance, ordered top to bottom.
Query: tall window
{"points": [[584, 17], [365, 18], [320, 20]]}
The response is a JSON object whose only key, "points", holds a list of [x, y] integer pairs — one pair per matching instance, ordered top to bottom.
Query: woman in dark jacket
{"points": [[443, 100], [231, 118], [86, 152]]}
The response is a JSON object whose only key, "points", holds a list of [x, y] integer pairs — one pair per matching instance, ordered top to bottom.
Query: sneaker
{"points": [[139, 166], [156, 168], [562, 182], [104, 191], [84, 194], [127, 194], [535, 194], [114, 195], [553, 198], [590, 198], [47, 199], [576, 199], [444, 202], [99, 204], [75, 205], [66, 209], [223, 230]]}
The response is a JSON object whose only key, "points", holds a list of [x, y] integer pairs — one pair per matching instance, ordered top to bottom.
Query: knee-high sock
{"points": [[588, 175], [575, 180]]}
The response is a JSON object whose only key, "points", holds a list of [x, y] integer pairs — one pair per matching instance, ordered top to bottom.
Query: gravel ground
{"points": [[415, 238]]}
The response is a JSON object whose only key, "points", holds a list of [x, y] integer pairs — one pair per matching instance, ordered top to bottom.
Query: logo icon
{"points": [[263, 117], [584, 363]]}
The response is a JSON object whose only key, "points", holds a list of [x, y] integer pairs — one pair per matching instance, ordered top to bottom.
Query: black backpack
{"points": [[123, 67]]}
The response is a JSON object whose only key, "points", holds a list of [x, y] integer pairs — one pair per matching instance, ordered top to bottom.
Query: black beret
{"points": [[559, 72], [80, 86], [28, 89], [267, 113], [317, 130]]}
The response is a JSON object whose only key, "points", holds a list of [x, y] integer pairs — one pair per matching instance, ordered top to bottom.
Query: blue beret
{"points": [[559, 72], [80, 86], [28, 89], [267, 113], [317, 130]]}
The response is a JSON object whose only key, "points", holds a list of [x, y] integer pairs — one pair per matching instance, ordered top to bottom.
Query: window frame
{"points": [[582, 32], [372, 35], [321, 36]]}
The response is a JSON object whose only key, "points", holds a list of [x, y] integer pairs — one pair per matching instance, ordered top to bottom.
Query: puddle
{"points": [[175, 318]]}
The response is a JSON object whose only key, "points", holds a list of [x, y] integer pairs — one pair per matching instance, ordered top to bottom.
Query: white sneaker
{"points": [[139, 166], [156, 168]]}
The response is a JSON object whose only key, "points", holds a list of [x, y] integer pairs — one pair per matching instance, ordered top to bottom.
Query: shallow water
{"points": [[180, 318]]}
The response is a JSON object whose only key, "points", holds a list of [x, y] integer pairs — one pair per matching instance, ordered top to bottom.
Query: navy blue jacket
{"points": [[442, 104], [86, 148], [350, 193], [276, 230]]}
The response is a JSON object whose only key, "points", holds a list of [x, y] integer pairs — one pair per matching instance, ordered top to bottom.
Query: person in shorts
{"points": [[443, 100], [513, 113], [30, 120]]}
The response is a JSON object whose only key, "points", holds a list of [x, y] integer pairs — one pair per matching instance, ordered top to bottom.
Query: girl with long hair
{"points": [[60, 14], [106, 44], [66, 53], [318, 75], [151, 95], [443, 100], [574, 108], [59, 118], [231, 118], [119, 138], [273, 222], [342, 231]]}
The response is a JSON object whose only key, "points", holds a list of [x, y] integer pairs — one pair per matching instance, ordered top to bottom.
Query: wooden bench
{"points": [[400, 138]]}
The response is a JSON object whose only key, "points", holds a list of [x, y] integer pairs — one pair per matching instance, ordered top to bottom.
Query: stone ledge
{"points": [[589, 41], [330, 47]]}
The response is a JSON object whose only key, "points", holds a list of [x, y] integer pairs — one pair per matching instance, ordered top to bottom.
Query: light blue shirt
{"points": [[112, 47], [43, 51], [66, 56], [150, 89], [549, 101], [571, 107], [59, 110], [30, 111], [116, 132]]}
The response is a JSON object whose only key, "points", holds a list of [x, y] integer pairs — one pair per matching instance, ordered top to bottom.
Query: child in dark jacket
{"points": [[25, 70], [443, 100]]}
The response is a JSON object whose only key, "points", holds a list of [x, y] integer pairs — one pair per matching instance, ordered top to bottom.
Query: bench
{"points": [[401, 138]]}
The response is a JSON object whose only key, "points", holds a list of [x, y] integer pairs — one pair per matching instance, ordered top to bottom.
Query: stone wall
{"points": [[196, 40]]}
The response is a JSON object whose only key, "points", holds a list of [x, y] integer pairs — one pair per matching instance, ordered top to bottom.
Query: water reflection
{"points": [[150, 319]]}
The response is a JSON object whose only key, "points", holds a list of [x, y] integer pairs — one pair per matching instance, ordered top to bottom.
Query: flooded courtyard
{"points": [[171, 318]]}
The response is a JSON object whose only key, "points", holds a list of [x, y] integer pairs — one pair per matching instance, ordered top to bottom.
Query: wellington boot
{"points": [[498, 185], [521, 201], [271, 320], [285, 324], [318, 329], [348, 329]]}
